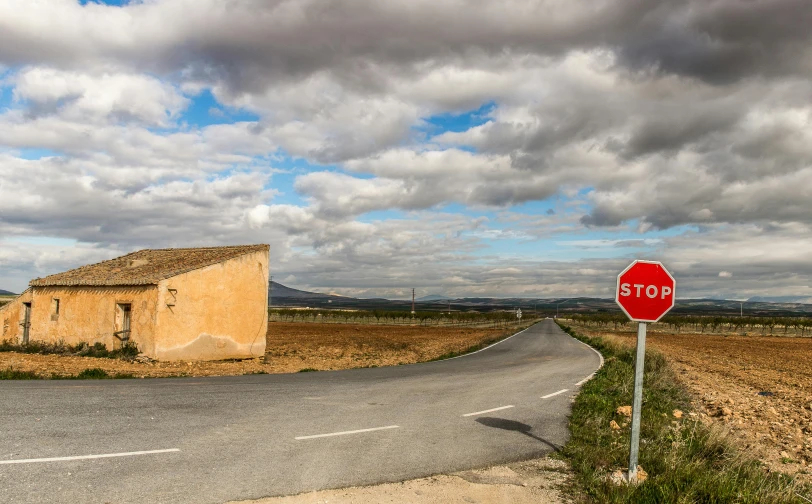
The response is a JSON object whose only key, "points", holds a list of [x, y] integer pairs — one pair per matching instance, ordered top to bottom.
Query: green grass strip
{"points": [[128, 350], [12, 374], [88, 374], [686, 461]]}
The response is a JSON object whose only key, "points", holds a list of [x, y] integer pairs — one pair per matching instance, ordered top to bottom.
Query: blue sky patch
{"points": [[111, 3], [205, 110]]}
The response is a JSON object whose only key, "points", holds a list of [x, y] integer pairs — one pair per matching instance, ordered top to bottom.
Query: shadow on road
{"points": [[513, 425]]}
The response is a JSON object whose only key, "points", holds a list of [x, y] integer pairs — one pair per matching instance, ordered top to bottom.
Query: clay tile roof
{"points": [[146, 267]]}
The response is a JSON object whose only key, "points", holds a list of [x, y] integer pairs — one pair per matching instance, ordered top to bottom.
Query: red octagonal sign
{"points": [[645, 291]]}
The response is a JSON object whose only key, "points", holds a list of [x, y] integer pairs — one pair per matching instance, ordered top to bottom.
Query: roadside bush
{"points": [[94, 374]]}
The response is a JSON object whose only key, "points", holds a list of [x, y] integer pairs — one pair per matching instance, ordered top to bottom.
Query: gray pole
{"points": [[638, 400]]}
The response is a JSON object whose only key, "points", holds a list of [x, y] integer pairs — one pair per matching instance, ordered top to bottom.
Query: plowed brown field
{"points": [[292, 347], [759, 388]]}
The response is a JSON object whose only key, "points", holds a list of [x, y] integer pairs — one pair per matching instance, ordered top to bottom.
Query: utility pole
{"points": [[270, 292], [412, 301], [559, 304], [741, 309]]}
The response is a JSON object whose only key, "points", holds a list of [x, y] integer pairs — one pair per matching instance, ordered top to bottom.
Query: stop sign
{"points": [[645, 291]]}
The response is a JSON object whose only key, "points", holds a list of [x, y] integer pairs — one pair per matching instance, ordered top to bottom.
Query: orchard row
{"points": [[394, 317], [800, 326]]}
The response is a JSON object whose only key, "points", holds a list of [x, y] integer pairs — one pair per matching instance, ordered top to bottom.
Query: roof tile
{"points": [[146, 267]]}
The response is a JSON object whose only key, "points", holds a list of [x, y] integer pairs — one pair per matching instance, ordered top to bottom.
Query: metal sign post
{"points": [[645, 292], [637, 404]]}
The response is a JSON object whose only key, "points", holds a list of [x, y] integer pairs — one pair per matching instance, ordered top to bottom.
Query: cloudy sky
{"points": [[510, 148]]}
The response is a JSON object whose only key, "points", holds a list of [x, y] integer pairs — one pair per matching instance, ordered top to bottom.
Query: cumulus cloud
{"points": [[110, 97], [691, 116]]}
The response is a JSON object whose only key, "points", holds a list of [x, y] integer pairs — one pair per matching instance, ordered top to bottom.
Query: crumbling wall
{"points": [[217, 312], [88, 314], [11, 316]]}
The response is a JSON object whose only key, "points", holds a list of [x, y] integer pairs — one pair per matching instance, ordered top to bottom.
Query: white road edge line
{"points": [[487, 347], [597, 352], [600, 366], [554, 394], [488, 410], [343, 433], [88, 457]]}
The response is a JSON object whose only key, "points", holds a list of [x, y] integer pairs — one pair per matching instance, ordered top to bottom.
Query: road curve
{"points": [[212, 440]]}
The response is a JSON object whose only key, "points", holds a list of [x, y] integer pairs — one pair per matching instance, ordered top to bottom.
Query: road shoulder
{"points": [[528, 482]]}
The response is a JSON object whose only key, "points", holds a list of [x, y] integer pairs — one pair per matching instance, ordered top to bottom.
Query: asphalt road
{"points": [[255, 436]]}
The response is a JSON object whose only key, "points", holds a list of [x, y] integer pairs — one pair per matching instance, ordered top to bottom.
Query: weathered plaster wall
{"points": [[219, 312], [88, 314], [11, 316]]}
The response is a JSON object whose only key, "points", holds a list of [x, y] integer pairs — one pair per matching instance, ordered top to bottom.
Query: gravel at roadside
{"points": [[531, 482]]}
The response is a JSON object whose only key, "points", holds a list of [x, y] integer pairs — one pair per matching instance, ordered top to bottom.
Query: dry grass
{"points": [[292, 347], [763, 383], [686, 459]]}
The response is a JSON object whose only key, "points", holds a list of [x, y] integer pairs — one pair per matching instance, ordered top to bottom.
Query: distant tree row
{"points": [[395, 317], [700, 323]]}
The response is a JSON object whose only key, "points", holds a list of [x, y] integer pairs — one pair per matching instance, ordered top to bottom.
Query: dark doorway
{"points": [[26, 322]]}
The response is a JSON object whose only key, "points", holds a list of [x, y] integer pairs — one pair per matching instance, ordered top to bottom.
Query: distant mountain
{"points": [[278, 290], [6, 293], [283, 296], [433, 297], [781, 299]]}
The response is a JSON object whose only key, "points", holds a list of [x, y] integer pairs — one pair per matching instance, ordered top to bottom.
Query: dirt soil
{"points": [[292, 347], [757, 388], [531, 482]]}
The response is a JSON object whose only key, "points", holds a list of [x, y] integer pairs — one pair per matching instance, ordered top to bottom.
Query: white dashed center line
{"points": [[554, 394], [488, 411], [344, 433], [88, 457]]}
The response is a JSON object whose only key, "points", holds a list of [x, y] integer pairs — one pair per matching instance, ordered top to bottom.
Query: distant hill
{"points": [[278, 290], [6, 293], [283, 296], [433, 297], [781, 299]]}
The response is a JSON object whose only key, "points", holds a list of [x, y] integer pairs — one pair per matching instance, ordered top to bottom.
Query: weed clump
{"points": [[12, 374], [94, 374]]}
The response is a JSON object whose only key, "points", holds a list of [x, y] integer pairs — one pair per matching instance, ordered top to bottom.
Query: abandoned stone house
{"points": [[193, 303]]}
